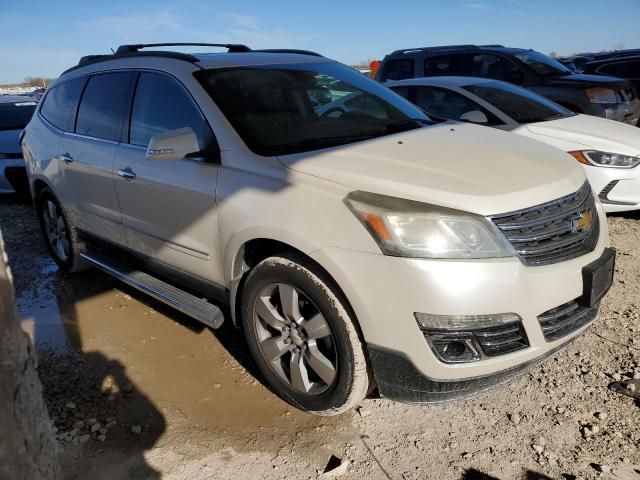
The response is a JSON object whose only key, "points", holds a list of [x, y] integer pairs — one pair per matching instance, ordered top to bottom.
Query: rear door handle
{"points": [[66, 157], [127, 173]]}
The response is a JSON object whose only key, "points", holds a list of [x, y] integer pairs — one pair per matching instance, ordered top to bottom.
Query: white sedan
{"points": [[608, 150]]}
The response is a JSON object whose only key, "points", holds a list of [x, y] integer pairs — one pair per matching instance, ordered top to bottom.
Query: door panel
{"points": [[87, 155], [89, 179], [168, 206], [169, 211]]}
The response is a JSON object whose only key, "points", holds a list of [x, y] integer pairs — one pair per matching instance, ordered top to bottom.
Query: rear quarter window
{"points": [[60, 102]]}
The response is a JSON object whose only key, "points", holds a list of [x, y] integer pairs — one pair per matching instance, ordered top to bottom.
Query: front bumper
{"points": [[620, 112], [618, 188], [384, 293], [398, 379]]}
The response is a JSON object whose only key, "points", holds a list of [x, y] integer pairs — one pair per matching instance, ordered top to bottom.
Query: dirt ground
{"points": [[138, 391]]}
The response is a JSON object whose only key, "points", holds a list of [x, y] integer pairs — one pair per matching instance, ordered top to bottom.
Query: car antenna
{"points": [[112, 51]]}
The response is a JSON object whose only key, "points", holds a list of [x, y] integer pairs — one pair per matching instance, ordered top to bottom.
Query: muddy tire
{"points": [[60, 236], [302, 337]]}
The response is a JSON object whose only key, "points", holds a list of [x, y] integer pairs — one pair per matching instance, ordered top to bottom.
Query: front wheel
{"points": [[302, 337]]}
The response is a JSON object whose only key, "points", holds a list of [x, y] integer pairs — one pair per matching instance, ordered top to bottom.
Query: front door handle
{"points": [[66, 158], [127, 173]]}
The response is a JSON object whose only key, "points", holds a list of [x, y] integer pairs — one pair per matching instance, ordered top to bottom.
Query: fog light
{"points": [[470, 338], [455, 349]]}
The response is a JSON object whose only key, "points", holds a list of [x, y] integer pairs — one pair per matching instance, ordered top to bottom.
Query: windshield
{"points": [[541, 63], [520, 104], [283, 109], [16, 115]]}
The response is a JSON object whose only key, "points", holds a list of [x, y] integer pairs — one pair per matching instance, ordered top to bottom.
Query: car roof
{"points": [[454, 49], [237, 55], [442, 81]]}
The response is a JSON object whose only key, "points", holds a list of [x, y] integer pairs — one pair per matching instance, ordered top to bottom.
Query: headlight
{"points": [[601, 95], [604, 159], [406, 228]]}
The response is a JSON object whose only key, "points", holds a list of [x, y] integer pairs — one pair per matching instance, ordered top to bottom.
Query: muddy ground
{"points": [[138, 391]]}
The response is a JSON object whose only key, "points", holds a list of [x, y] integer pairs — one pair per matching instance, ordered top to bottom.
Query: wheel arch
{"points": [[253, 251]]}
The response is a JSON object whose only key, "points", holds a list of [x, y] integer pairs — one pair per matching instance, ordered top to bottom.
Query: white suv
{"points": [[354, 248]]}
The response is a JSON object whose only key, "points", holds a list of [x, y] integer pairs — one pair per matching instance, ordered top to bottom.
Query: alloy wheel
{"points": [[56, 230], [295, 339]]}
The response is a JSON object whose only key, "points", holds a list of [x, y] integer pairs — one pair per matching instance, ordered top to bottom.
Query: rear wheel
{"points": [[60, 235], [302, 336]]}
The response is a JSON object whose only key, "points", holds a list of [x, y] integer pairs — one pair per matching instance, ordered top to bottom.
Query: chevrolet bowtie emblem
{"points": [[583, 222]]}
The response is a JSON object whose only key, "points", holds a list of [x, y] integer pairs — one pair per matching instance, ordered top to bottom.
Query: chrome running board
{"points": [[197, 308]]}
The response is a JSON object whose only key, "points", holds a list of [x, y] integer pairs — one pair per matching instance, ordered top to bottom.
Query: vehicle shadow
{"points": [[102, 420], [473, 474]]}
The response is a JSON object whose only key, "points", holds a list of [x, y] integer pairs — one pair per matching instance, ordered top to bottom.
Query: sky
{"points": [[43, 38]]}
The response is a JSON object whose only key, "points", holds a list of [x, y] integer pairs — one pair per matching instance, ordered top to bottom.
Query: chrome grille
{"points": [[550, 232], [565, 319]]}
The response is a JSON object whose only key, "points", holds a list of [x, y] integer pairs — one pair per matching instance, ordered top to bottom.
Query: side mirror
{"points": [[474, 116], [173, 145]]}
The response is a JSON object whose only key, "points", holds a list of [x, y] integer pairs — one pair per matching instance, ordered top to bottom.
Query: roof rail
{"points": [[232, 47], [444, 47], [136, 50], [288, 50]]}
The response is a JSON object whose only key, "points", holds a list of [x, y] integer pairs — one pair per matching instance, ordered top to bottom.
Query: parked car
{"points": [[578, 61], [623, 67], [598, 95], [15, 113], [609, 151], [433, 259]]}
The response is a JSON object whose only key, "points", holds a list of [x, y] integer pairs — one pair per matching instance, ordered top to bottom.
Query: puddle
{"points": [[171, 358]]}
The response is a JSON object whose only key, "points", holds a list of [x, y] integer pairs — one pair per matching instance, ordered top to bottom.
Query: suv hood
{"points": [[585, 80], [592, 132], [462, 166]]}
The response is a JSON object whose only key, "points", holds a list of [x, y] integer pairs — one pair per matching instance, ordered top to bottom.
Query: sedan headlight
{"points": [[601, 95], [605, 159], [406, 228]]}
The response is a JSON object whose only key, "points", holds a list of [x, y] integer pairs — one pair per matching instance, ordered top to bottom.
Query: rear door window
{"points": [[444, 65], [498, 68], [399, 69], [61, 101], [103, 104], [161, 104]]}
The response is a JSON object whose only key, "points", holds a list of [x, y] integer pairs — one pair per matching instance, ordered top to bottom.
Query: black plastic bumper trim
{"points": [[398, 379]]}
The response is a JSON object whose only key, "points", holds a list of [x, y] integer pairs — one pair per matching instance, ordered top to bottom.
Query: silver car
{"points": [[15, 113]]}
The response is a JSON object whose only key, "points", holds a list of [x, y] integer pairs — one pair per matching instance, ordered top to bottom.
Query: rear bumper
{"points": [[11, 169]]}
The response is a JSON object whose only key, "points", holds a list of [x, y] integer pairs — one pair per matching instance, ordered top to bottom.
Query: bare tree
{"points": [[39, 82], [28, 449]]}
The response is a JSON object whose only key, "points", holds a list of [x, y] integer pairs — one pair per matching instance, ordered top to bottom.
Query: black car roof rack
{"points": [[231, 47], [444, 47], [136, 50], [288, 50]]}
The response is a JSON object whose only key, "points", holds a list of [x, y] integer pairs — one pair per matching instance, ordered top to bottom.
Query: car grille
{"points": [[555, 231], [569, 317], [502, 339]]}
